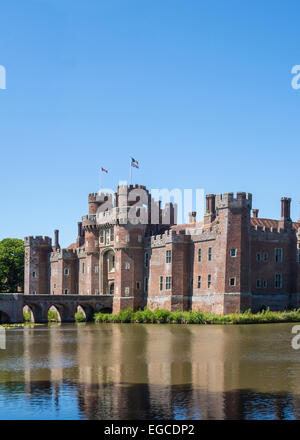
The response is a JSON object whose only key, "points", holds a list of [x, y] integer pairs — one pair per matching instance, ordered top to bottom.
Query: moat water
{"points": [[136, 371]]}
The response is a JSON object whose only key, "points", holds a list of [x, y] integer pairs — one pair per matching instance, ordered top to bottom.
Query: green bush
{"points": [[27, 316], [52, 316], [161, 316], [79, 317]]}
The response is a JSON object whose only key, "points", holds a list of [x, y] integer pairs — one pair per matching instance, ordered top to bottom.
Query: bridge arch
{"points": [[35, 310], [87, 310], [106, 310], [63, 311]]}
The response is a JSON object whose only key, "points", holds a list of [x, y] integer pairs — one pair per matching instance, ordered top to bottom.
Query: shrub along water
{"points": [[52, 316], [161, 316], [79, 317]]}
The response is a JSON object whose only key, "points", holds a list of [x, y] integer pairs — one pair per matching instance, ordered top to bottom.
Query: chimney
{"points": [[255, 212], [210, 214], [192, 217], [285, 221], [79, 234], [56, 243]]}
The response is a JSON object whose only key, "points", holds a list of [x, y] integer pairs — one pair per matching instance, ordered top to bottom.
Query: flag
{"points": [[134, 163], [103, 169]]}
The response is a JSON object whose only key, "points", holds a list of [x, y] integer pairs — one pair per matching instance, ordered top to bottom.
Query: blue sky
{"points": [[198, 91]]}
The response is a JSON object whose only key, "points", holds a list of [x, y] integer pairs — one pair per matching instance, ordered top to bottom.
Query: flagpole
{"points": [[130, 173], [100, 180]]}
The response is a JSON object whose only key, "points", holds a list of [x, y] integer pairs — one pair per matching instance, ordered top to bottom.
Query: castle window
{"points": [[112, 234], [101, 236], [127, 238], [139, 238], [96, 243], [86, 244], [233, 252], [209, 253], [199, 255], [278, 255], [168, 256], [265, 256], [258, 257], [146, 259], [127, 265], [82, 268], [96, 269], [66, 272], [33, 274], [208, 281], [232, 281], [278, 281], [191, 282], [199, 282], [161, 283], [168, 283], [145, 284], [258, 284], [265, 284], [138, 285], [54, 286], [66, 291], [96, 291], [33, 292]]}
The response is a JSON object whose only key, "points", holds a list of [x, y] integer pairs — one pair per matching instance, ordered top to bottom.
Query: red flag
{"points": [[103, 169]]}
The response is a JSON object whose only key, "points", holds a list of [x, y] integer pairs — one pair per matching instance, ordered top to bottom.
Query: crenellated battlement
{"points": [[228, 200], [271, 233], [169, 236], [38, 240], [63, 254]]}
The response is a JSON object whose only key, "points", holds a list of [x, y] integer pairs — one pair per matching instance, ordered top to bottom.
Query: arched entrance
{"points": [[107, 271]]}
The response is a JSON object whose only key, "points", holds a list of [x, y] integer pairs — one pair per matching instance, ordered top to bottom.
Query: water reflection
{"points": [[113, 371]]}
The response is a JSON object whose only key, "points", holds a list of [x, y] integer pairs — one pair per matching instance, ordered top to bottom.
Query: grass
{"points": [[53, 316], [161, 316], [27, 317], [79, 317]]}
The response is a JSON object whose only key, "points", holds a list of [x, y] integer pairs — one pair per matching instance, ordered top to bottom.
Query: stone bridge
{"points": [[12, 304]]}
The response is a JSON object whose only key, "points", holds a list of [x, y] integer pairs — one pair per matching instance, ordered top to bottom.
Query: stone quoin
{"points": [[229, 261]]}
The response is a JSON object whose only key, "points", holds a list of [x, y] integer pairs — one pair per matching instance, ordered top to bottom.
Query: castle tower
{"points": [[235, 250], [37, 265]]}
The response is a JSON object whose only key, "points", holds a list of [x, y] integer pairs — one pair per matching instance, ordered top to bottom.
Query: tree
{"points": [[11, 265]]}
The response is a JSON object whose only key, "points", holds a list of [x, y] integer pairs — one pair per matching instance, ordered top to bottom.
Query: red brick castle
{"points": [[131, 248]]}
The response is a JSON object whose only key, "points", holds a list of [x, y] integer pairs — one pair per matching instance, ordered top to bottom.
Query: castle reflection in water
{"points": [[115, 371]]}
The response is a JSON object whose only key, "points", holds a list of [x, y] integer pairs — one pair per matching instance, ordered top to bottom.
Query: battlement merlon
{"points": [[227, 200], [37, 241], [63, 254]]}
